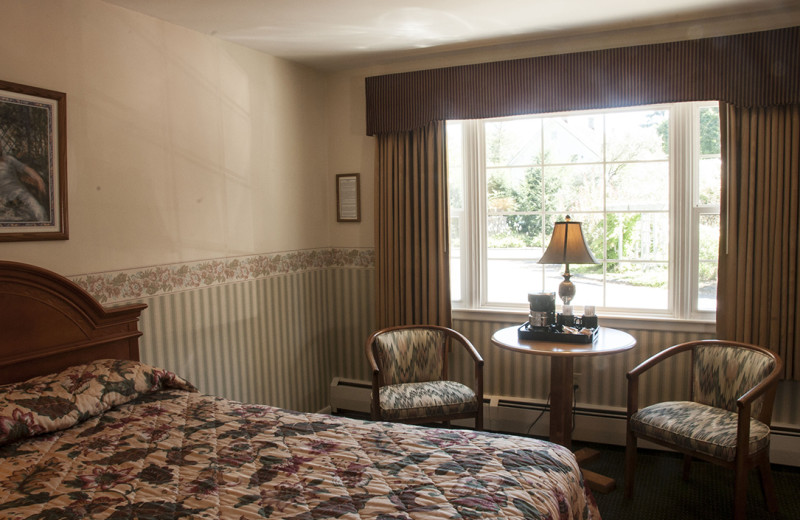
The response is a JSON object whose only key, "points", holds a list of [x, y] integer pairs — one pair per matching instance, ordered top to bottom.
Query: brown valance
{"points": [[754, 69]]}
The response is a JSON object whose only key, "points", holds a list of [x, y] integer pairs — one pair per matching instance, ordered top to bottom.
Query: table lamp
{"points": [[567, 246]]}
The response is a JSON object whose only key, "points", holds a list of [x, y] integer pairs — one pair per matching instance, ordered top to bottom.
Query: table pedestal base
{"points": [[607, 341], [561, 421], [595, 481]]}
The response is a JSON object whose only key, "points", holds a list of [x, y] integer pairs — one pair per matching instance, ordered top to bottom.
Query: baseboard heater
{"points": [[350, 395], [501, 413], [523, 416]]}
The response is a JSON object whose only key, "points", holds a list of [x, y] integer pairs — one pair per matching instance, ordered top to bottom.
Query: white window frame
{"points": [[685, 212]]}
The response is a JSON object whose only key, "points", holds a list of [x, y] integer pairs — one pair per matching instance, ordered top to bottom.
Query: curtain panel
{"points": [[753, 69], [411, 228], [758, 296]]}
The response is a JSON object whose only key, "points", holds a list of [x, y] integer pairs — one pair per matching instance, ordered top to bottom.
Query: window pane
{"points": [[709, 131], [640, 135], [573, 139], [513, 143], [455, 165], [710, 181], [455, 186], [637, 186], [709, 187], [574, 188], [514, 189], [592, 225], [455, 228], [514, 231], [637, 236], [709, 237], [707, 264], [512, 274], [455, 275], [588, 280], [641, 285], [707, 287]]}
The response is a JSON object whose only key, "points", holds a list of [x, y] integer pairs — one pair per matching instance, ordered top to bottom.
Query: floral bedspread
{"points": [[174, 453]]}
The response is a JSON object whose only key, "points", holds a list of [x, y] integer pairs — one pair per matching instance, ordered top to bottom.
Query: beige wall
{"points": [[180, 146]]}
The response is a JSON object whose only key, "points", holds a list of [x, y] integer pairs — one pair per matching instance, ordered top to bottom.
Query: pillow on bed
{"points": [[57, 401]]}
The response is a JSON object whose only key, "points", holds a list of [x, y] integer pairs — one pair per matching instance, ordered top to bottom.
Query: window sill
{"points": [[616, 321]]}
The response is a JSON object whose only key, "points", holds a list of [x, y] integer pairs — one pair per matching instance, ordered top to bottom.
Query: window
{"points": [[644, 182]]}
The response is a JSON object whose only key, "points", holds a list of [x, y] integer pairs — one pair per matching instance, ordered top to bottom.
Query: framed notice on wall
{"points": [[348, 197]]}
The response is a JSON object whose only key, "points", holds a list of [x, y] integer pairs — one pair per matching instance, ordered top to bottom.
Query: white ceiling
{"points": [[331, 34]]}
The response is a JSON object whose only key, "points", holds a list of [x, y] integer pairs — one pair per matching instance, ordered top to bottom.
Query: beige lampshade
{"points": [[567, 245]]}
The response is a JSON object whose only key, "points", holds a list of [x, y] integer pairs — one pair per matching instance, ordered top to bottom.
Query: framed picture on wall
{"points": [[33, 163], [348, 197]]}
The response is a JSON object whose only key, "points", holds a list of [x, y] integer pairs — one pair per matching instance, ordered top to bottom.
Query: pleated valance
{"points": [[753, 69]]}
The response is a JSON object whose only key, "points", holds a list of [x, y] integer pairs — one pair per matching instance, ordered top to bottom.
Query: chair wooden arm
{"points": [[470, 348], [476, 357], [658, 358], [478, 360], [644, 366], [376, 378], [770, 383], [767, 388]]}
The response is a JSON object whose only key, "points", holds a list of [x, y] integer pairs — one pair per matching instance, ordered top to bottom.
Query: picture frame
{"points": [[33, 163], [348, 197]]}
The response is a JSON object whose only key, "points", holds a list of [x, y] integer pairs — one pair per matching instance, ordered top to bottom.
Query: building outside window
{"points": [[644, 182]]}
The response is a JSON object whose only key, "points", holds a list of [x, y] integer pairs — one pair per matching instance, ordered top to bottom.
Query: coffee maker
{"points": [[543, 311]]}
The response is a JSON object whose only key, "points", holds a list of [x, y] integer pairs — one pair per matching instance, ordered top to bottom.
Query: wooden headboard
{"points": [[48, 323]]}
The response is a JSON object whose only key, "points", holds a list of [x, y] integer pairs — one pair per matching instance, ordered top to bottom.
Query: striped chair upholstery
{"points": [[410, 376]]}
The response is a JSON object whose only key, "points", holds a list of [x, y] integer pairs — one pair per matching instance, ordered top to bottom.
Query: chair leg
{"points": [[630, 463], [687, 466], [767, 485], [740, 494]]}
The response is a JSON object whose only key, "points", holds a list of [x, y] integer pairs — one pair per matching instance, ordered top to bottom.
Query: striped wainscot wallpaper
{"points": [[277, 328], [270, 329]]}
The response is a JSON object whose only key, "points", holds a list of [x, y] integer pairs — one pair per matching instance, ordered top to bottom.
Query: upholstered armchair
{"points": [[409, 376], [726, 420]]}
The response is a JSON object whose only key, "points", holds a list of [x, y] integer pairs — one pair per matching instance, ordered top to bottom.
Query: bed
{"points": [[87, 430]]}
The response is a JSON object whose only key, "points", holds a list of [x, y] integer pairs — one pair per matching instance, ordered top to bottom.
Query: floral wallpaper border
{"points": [[133, 284]]}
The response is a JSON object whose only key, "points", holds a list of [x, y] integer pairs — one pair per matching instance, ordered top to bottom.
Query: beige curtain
{"points": [[411, 238], [758, 297]]}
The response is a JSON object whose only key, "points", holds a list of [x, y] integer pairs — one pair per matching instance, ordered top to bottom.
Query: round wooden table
{"points": [[607, 341]]}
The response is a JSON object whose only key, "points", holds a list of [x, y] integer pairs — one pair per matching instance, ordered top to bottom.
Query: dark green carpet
{"points": [[660, 493]]}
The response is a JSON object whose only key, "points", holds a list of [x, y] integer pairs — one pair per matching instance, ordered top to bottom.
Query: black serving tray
{"points": [[527, 332]]}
